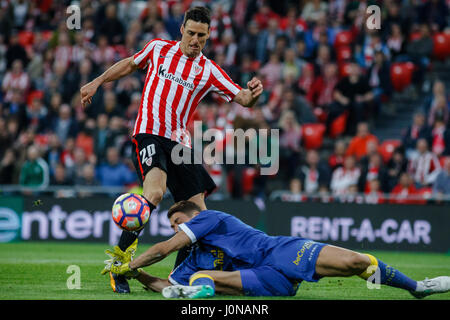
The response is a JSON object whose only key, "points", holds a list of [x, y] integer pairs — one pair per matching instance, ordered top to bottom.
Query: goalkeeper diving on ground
{"points": [[232, 258]]}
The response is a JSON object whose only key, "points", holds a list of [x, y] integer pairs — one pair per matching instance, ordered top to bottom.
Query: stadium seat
{"points": [[26, 38], [343, 38], [441, 46], [343, 53], [344, 69], [401, 75], [320, 114], [338, 125], [313, 135], [41, 140], [387, 147], [442, 160], [247, 180]]}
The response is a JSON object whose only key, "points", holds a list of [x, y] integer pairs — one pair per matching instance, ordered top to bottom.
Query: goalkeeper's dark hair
{"points": [[198, 14], [185, 206]]}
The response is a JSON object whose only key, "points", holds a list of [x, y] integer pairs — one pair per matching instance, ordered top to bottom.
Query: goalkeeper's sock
{"points": [[128, 237], [388, 275], [199, 279]]}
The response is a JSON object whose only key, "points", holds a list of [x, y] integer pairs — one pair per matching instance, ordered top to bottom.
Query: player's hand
{"points": [[255, 86], [87, 92], [117, 255], [119, 268]]}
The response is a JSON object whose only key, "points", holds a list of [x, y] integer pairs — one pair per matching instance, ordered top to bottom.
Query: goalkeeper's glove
{"points": [[117, 255], [123, 256], [123, 269]]}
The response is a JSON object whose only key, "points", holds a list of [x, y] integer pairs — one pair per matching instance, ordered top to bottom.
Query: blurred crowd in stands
{"points": [[326, 75]]}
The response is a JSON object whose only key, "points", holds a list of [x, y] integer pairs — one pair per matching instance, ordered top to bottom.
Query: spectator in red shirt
{"points": [[321, 93], [358, 145], [404, 189]]}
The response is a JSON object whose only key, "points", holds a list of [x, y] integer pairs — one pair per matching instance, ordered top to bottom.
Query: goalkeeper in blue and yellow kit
{"points": [[230, 257]]}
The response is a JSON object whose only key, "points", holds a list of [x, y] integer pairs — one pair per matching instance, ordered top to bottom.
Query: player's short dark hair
{"points": [[198, 14], [185, 206]]}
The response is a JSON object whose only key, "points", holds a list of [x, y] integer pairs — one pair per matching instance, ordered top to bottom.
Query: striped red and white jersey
{"points": [[174, 86]]}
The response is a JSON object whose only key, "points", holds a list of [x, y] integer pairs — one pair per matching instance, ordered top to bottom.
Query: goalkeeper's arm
{"points": [[160, 250], [152, 283]]}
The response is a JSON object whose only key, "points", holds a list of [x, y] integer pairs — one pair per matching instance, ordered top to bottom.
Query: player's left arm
{"points": [[248, 97]]}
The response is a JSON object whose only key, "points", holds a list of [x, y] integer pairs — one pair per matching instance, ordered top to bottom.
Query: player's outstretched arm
{"points": [[119, 70], [248, 97], [160, 250]]}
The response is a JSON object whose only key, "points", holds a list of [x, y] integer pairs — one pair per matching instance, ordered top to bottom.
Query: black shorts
{"points": [[183, 180]]}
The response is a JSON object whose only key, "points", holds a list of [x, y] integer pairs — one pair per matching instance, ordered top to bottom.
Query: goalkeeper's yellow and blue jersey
{"points": [[223, 242]]}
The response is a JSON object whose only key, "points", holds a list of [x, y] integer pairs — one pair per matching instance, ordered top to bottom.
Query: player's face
{"points": [[193, 37], [178, 218]]}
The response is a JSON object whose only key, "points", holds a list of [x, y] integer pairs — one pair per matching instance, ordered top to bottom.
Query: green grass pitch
{"points": [[38, 270]]}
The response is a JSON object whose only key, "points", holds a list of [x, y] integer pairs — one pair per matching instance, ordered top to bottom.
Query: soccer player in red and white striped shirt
{"points": [[178, 77]]}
